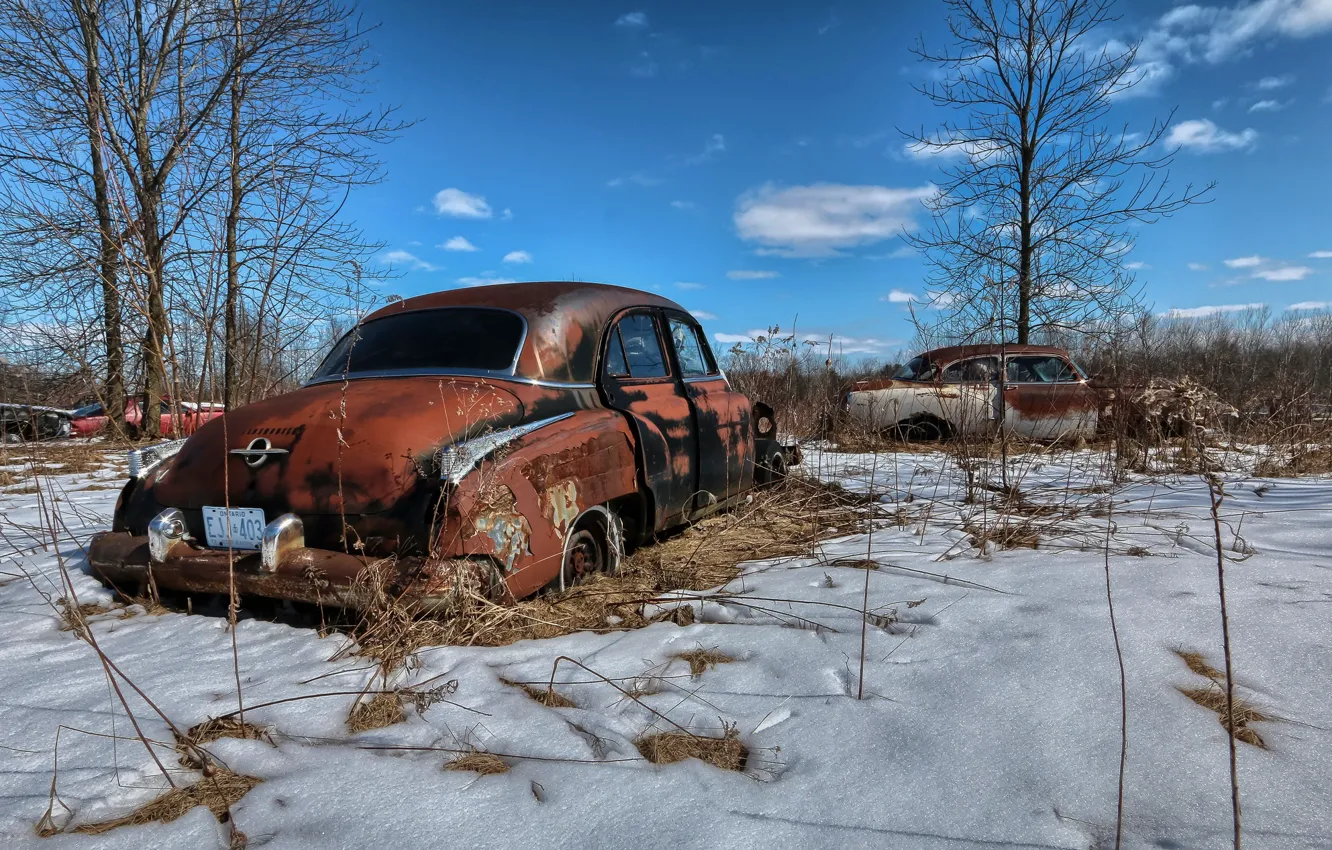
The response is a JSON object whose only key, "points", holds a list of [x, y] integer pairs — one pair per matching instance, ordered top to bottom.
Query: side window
{"points": [[641, 347], [689, 350], [615, 364], [1040, 369], [973, 371]]}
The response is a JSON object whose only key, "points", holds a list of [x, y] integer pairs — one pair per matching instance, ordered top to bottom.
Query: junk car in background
{"points": [[958, 391], [186, 416], [21, 423], [516, 436]]}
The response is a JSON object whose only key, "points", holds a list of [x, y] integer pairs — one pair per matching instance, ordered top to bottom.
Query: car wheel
{"points": [[925, 429], [772, 469], [593, 548]]}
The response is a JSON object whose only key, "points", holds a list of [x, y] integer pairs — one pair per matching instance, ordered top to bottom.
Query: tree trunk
{"points": [[108, 253], [230, 356], [154, 360]]}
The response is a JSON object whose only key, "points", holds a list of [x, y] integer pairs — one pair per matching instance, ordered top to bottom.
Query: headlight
{"points": [[457, 460], [142, 461]]}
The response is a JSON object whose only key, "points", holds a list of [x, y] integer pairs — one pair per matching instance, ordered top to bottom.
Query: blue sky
{"points": [[743, 158]]}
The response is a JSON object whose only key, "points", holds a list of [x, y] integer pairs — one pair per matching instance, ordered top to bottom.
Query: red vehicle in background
{"points": [[90, 420]]}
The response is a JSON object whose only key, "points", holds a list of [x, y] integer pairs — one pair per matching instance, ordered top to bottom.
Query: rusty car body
{"points": [[960, 391], [509, 438]]}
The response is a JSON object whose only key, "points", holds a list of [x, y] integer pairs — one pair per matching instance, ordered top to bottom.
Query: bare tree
{"points": [[1038, 192]]}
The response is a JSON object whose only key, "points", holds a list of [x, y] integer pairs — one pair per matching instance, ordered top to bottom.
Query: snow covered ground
{"points": [[990, 717]]}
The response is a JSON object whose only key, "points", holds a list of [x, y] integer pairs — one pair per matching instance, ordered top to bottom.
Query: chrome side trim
{"points": [[454, 373], [457, 460], [142, 461], [164, 531], [281, 537]]}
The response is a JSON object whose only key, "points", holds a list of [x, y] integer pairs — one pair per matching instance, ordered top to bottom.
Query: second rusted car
{"points": [[1037, 392], [513, 437]]}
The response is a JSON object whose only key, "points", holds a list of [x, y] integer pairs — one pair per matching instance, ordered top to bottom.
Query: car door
{"points": [[637, 379], [976, 382], [1046, 398], [723, 418]]}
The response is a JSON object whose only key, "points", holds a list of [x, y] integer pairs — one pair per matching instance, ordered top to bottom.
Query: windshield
{"points": [[467, 339], [919, 369], [88, 410]]}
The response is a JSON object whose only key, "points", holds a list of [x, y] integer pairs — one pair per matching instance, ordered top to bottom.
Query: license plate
{"points": [[246, 526]]}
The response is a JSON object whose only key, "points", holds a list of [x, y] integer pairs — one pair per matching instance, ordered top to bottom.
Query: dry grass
{"points": [[73, 457], [1299, 460], [9, 478], [22, 491], [779, 522], [1005, 534], [72, 618], [701, 660], [1197, 662], [547, 697], [1214, 698], [383, 709], [216, 728], [725, 752], [486, 764], [218, 792]]}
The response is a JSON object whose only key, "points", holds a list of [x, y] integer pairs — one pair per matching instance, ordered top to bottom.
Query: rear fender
{"points": [[519, 507]]}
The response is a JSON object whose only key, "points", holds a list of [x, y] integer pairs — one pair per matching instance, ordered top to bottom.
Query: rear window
{"points": [[444, 340]]}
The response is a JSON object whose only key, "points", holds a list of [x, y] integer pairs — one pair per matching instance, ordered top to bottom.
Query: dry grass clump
{"points": [[73, 457], [1299, 460], [9, 478], [780, 521], [1005, 534], [73, 617], [701, 660], [1197, 662], [546, 696], [1214, 698], [383, 709], [216, 728], [725, 752], [478, 761], [219, 792]]}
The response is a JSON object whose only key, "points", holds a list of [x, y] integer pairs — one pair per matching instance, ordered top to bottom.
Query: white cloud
{"points": [[632, 20], [1212, 34], [1273, 83], [1268, 106], [1201, 135], [715, 144], [939, 148], [638, 178], [459, 204], [683, 205], [822, 219], [458, 243], [1321, 255], [517, 257], [407, 258], [1244, 262], [1136, 266], [1197, 267], [1284, 273], [741, 274], [486, 278], [687, 285], [897, 296], [1311, 305], [1214, 310], [703, 315]]}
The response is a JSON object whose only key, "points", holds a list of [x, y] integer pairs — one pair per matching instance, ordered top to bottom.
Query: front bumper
{"points": [[304, 574]]}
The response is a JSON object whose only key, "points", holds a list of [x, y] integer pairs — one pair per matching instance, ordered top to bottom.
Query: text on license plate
{"points": [[246, 527]]}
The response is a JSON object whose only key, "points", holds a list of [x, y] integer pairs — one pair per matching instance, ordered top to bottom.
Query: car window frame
{"points": [[613, 336], [711, 370], [1073, 370], [942, 374]]}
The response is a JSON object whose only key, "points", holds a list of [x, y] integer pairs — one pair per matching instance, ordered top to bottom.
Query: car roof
{"points": [[565, 320], [949, 353]]}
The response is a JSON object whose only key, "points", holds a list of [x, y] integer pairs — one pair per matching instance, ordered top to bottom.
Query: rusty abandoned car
{"points": [[961, 391], [514, 436]]}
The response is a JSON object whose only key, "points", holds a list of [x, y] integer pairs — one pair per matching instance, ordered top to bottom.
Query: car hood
{"points": [[351, 449]]}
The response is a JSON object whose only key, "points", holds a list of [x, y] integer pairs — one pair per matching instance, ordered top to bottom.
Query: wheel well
{"points": [[907, 425], [607, 524]]}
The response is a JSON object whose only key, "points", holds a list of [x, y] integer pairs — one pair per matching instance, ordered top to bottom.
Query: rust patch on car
{"points": [[562, 506], [499, 519]]}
